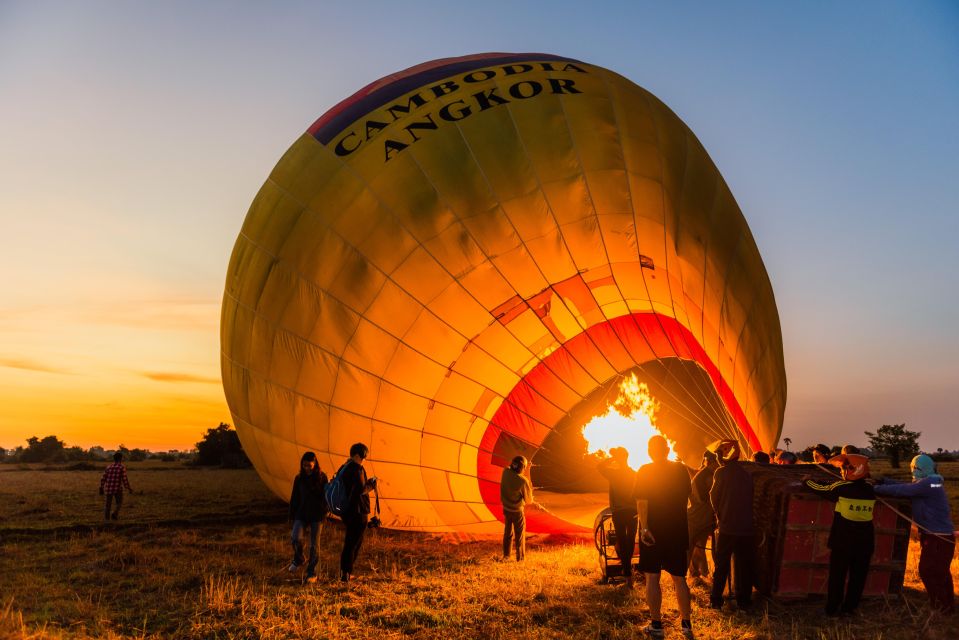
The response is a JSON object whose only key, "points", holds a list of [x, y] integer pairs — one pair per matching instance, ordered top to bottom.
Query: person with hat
{"points": [[515, 492], [732, 498], [851, 538], [937, 542]]}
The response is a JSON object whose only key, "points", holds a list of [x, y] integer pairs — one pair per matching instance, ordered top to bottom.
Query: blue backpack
{"points": [[335, 491]]}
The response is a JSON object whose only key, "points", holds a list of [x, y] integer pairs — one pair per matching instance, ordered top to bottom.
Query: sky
{"points": [[134, 135]]}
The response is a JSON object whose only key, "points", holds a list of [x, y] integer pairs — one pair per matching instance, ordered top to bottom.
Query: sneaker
{"points": [[114, 516], [293, 568], [344, 577], [310, 579], [654, 632], [688, 633]]}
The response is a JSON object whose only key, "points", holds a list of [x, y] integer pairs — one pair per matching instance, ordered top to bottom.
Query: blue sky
{"points": [[136, 134]]}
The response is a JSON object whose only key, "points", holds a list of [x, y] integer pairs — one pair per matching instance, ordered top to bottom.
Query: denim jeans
{"points": [[297, 540]]}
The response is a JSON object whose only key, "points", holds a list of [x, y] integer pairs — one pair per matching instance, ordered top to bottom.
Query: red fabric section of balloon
{"points": [[646, 337]]}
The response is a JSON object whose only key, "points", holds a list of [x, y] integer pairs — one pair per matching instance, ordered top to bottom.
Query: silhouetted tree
{"points": [[787, 441], [895, 441], [221, 446], [49, 449]]}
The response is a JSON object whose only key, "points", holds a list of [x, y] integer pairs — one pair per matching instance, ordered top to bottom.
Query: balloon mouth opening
{"points": [[668, 397]]}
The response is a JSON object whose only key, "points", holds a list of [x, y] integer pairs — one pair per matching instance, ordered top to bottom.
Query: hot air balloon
{"points": [[452, 263]]}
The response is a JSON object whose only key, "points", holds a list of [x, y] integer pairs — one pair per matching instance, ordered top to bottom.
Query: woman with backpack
{"points": [[307, 510]]}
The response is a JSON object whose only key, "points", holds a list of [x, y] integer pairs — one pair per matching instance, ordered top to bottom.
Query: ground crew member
{"points": [[662, 491], [732, 499], [623, 506], [930, 510], [702, 519], [851, 538]]}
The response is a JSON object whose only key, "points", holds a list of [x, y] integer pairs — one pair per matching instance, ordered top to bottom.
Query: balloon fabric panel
{"points": [[446, 264]]}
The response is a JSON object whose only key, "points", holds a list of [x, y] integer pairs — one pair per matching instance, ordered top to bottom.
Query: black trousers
{"points": [[110, 498], [624, 523], [355, 530], [743, 549], [852, 560]]}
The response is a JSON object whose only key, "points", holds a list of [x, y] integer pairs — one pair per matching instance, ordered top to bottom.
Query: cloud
{"points": [[158, 313], [29, 365], [162, 376]]}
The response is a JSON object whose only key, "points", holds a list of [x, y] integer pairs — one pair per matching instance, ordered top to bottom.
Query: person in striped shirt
{"points": [[112, 483]]}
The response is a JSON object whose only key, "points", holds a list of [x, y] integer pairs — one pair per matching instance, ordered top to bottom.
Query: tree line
{"points": [[893, 441], [219, 446]]}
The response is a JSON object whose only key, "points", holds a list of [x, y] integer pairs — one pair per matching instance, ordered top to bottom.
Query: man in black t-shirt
{"points": [[661, 492]]}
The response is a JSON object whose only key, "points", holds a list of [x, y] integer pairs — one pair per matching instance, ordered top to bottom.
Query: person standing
{"points": [[821, 454], [621, 480], [112, 483], [515, 492], [662, 492], [732, 498], [307, 511], [356, 513], [702, 519], [851, 538], [937, 542]]}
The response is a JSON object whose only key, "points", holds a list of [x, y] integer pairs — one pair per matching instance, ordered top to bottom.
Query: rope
{"points": [[942, 536]]}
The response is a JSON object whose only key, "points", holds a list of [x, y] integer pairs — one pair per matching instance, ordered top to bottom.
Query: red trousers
{"points": [[935, 558]]}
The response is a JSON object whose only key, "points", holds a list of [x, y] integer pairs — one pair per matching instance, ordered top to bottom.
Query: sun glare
{"points": [[629, 422]]}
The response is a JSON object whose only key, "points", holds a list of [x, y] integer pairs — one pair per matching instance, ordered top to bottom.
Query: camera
{"points": [[374, 522]]}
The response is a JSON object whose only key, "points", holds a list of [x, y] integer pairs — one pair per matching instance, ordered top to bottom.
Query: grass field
{"points": [[200, 554]]}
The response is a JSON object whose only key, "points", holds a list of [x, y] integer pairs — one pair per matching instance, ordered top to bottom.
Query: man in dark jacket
{"points": [[621, 480], [732, 500], [307, 510], [356, 514], [851, 538]]}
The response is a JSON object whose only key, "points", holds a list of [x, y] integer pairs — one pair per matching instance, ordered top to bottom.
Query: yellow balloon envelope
{"points": [[448, 262]]}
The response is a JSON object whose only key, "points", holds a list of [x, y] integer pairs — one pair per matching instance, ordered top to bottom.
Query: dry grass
{"points": [[41, 497], [195, 577]]}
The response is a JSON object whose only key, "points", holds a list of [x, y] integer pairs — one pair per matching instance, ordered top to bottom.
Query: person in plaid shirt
{"points": [[111, 484]]}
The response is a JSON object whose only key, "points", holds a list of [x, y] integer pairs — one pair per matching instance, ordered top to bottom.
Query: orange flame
{"points": [[629, 422]]}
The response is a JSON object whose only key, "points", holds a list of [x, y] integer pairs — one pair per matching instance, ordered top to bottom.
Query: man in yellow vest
{"points": [[851, 538]]}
